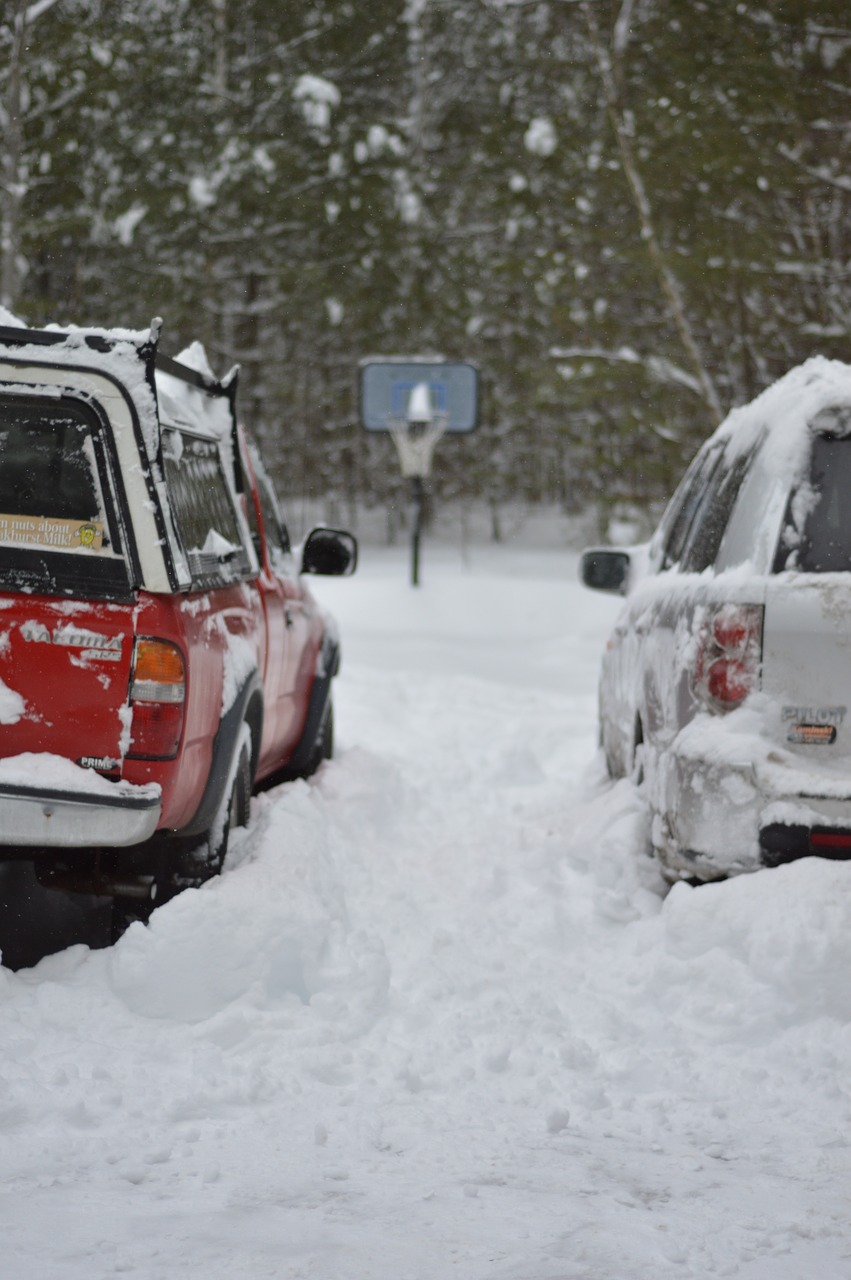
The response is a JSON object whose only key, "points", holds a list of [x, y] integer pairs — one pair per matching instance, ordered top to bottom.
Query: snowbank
{"points": [[439, 1016]]}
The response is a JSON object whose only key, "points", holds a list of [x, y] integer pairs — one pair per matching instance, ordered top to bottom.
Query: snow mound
{"points": [[272, 933], [778, 942], [440, 1016]]}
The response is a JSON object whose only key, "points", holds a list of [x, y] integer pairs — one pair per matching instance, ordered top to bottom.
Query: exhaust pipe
{"points": [[104, 885]]}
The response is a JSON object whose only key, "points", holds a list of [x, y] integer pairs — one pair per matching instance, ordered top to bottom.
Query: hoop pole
{"points": [[415, 440], [417, 495]]}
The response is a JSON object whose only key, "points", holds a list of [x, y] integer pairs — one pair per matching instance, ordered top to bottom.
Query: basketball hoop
{"points": [[416, 399], [415, 442]]}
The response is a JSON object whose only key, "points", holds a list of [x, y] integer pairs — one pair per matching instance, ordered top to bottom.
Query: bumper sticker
{"points": [[52, 533]]}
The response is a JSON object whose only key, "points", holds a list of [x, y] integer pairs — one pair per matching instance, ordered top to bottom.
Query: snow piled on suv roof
{"points": [[807, 397]]}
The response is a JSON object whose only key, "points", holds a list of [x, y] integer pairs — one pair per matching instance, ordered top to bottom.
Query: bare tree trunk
{"points": [[220, 26], [11, 177], [667, 279]]}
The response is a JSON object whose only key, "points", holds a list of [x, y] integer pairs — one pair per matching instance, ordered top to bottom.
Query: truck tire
{"points": [[323, 746], [235, 810], [206, 855], [205, 858]]}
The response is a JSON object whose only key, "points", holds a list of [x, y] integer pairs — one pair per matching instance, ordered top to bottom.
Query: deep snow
{"points": [[438, 1018]]}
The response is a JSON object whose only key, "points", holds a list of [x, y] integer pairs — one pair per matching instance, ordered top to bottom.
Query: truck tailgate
{"points": [[65, 669]]}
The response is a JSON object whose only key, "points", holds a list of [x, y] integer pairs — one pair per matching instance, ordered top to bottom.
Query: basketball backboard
{"points": [[393, 388]]}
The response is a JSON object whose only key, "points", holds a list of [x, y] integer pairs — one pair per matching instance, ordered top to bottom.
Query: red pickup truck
{"points": [[160, 654]]}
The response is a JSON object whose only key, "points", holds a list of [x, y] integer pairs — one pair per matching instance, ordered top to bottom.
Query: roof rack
{"points": [[15, 337], [148, 351], [213, 386]]}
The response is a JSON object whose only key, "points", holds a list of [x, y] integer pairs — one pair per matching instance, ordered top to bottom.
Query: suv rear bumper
{"points": [[718, 816], [39, 817]]}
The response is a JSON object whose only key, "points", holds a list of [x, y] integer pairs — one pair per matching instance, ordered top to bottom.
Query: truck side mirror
{"points": [[330, 552]]}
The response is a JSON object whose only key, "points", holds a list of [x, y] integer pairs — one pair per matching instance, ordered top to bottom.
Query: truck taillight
{"points": [[729, 655], [157, 695]]}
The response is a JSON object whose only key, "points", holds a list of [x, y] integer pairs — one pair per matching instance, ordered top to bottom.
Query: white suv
{"points": [[726, 684]]}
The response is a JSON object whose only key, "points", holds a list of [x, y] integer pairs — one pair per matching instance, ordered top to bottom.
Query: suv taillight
{"points": [[729, 655], [157, 694]]}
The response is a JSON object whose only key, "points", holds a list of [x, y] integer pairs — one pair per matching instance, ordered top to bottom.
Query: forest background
{"points": [[632, 216]]}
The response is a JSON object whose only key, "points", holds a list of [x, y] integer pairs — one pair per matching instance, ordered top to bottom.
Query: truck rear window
{"points": [[58, 524]]}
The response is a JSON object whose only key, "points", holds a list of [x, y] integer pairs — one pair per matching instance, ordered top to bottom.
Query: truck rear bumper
{"points": [[34, 817]]}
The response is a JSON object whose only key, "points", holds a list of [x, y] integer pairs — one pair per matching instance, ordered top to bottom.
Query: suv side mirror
{"points": [[330, 552], [605, 570]]}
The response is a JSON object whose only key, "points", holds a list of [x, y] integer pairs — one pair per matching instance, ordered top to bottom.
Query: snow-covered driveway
{"points": [[438, 1018]]}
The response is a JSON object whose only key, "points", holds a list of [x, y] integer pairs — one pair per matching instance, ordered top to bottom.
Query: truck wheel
{"points": [[323, 747], [237, 810], [208, 856], [192, 866], [126, 911]]}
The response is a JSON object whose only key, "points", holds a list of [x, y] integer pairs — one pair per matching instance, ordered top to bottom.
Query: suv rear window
{"points": [[203, 510], [59, 525], [816, 535]]}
